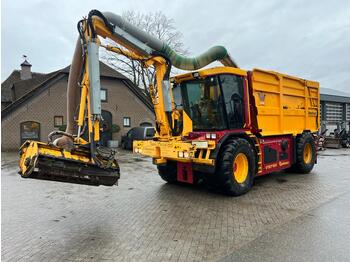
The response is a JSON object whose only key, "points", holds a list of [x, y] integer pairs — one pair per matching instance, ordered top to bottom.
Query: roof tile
{"points": [[25, 89]]}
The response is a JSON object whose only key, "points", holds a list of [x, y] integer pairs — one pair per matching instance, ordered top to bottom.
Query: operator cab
{"points": [[214, 102]]}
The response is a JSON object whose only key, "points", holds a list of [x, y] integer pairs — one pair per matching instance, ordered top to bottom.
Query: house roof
{"points": [[105, 71], [15, 76], [13, 87], [22, 87], [27, 89], [333, 92], [33, 93], [331, 95]]}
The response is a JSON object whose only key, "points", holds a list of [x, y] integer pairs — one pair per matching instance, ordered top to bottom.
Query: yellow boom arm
{"points": [[159, 63]]}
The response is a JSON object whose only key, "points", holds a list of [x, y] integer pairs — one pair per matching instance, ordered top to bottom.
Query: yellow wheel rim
{"points": [[307, 153], [240, 168]]}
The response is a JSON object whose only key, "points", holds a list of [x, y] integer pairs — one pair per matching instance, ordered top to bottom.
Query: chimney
{"points": [[26, 72]]}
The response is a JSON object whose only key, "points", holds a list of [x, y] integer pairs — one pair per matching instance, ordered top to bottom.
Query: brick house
{"points": [[34, 104]]}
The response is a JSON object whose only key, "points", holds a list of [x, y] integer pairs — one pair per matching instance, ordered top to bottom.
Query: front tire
{"points": [[306, 154], [236, 167], [168, 172]]}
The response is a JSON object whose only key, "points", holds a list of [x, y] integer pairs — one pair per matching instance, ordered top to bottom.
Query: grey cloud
{"points": [[310, 39]]}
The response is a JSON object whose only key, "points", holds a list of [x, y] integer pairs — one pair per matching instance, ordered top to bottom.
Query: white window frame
{"points": [[105, 91], [126, 121]]}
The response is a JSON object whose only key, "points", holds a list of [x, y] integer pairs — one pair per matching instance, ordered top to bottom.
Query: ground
{"points": [[286, 216]]}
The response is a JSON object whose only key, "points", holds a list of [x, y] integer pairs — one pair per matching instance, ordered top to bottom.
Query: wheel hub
{"points": [[307, 154], [240, 168]]}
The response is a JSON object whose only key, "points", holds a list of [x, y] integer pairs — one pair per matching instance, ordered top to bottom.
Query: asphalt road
{"points": [[285, 217]]}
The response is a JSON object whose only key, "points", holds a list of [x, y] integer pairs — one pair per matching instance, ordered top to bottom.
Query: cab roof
{"points": [[209, 72]]}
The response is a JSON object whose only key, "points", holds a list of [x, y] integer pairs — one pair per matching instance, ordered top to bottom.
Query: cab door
{"points": [[233, 96]]}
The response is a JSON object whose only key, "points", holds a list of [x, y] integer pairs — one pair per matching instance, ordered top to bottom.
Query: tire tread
{"points": [[299, 165], [224, 170]]}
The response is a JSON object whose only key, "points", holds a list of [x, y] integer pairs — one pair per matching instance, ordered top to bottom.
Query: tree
{"points": [[156, 24]]}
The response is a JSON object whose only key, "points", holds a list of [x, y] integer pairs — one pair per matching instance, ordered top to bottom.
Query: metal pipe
{"points": [[216, 53], [73, 92]]}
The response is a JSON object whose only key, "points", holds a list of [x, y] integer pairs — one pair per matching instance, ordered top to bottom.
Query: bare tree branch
{"points": [[156, 24]]}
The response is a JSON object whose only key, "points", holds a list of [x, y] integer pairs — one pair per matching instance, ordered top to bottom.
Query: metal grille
{"points": [[334, 112]]}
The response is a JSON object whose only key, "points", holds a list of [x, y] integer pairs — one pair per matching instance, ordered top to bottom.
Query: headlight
{"points": [[207, 136], [213, 136], [136, 150], [140, 151], [180, 154], [186, 154]]}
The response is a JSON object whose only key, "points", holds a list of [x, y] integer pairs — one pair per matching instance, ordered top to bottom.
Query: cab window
{"points": [[232, 88], [203, 103]]}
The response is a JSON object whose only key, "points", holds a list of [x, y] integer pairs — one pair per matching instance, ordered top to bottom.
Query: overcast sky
{"points": [[310, 39]]}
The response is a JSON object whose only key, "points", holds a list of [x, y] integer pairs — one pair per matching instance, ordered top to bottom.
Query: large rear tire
{"points": [[306, 154], [236, 167], [168, 172]]}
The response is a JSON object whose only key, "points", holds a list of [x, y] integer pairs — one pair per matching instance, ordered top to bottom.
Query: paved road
{"points": [[145, 219], [322, 234]]}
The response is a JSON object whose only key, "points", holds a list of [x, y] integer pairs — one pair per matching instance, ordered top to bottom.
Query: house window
{"points": [[103, 95], [58, 121], [126, 121], [146, 124], [30, 130]]}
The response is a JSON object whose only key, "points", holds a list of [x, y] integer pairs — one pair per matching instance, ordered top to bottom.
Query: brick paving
{"points": [[145, 219]]}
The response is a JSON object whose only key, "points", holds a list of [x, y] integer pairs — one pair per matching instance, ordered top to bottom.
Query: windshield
{"points": [[203, 103]]}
